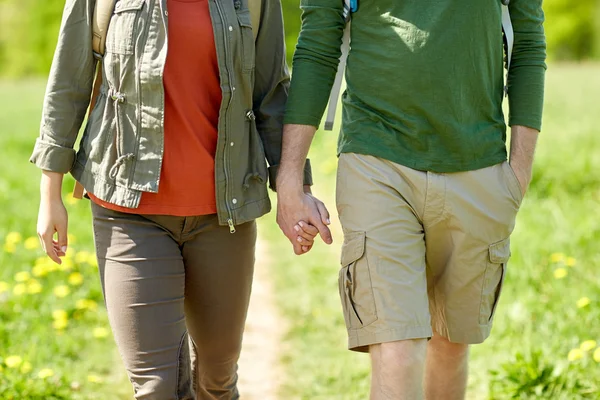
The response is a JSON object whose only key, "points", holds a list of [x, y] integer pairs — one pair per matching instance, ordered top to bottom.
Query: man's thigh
{"points": [[468, 251], [382, 281]]}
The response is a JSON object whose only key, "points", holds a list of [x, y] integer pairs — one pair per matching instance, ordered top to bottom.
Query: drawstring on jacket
{"points": [[118, 98]]}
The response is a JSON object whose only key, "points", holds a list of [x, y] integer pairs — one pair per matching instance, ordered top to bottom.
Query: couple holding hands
{"points": [[196, 115]]}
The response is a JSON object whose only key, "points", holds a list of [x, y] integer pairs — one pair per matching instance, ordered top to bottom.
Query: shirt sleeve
{"points": [[315, 61], [528, 67]]}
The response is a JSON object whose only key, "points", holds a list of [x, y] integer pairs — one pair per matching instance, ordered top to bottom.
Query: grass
{"points": [[538, 323], [55, 342]]}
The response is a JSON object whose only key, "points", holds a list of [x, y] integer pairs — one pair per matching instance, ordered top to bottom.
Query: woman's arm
{"points": [[272, 81], [68, 91], [67, 99]]}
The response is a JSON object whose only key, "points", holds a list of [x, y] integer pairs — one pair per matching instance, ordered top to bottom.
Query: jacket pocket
{"points": [[123, 25], [247, 40], [257, 164], [493, 280], [355, 285]]}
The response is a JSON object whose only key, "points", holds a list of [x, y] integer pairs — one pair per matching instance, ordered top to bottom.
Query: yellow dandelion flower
{"points": [[13, 238], [31, 243], [10, 248], [82, 257], [557, 257], [92, 260], [571, 262], [67, 264], [40, 271], [560, 273], [22, 276], [75, 279], [4, 287], [34, 287], [19, 289], [62, 291], [583, 302], [86, 304], [60, 314], [60, 324], [100, 333], [588, 345], [575, 354], [597, 355], [13, 361], [26, 367], [45, 373], [94, 379]]}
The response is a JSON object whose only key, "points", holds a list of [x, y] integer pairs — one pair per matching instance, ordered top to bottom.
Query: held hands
{"points": [[301, 216]]}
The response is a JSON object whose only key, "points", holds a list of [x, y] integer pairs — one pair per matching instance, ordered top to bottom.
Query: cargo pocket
{"points": [[119, 38], [247, 42], [493, 279], [356, 290]]}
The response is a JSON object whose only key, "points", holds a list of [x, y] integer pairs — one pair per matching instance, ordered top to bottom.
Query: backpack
{"points": [[351, 6], [103, 10]]}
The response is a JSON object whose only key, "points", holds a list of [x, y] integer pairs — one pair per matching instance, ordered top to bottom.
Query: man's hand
{"points": [[522, 147], [295, 210]]}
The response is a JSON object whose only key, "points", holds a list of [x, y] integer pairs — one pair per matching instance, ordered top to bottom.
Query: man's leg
{"points": [[467, 254], [382, 281], [446, 369], [397, 370]]}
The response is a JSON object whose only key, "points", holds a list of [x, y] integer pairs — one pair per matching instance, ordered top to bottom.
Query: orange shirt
{"points": [[192, 102]]}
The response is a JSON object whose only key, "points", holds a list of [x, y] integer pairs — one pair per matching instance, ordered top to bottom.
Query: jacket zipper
{"points": [[223, 24]]}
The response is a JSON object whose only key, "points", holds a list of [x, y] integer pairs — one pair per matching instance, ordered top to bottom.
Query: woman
{"points": [[173, 159]]}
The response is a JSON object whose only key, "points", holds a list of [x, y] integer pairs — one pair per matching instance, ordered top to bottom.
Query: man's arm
{"points": [[315, 65], [526, 85], [522, 148], [294, 205]]}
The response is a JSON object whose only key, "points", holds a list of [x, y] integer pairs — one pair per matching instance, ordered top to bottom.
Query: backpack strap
{"points": [[255, 7], [349, 7], [103, 10], [509, 36]]}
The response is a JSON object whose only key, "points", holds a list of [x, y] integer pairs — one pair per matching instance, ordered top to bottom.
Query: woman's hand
{"points": [[52, 216], [306, 235]]}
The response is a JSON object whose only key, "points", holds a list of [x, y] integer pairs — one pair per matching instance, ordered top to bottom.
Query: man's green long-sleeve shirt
{"points": [[424, 78]]}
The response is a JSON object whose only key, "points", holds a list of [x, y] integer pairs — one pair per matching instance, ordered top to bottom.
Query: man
{"points": [[425, 196]]}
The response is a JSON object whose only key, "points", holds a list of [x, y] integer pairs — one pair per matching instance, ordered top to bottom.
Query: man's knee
{"points": [[442, 346], [400, 353]]}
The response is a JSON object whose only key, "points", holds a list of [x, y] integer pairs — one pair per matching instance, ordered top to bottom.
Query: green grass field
{"points": [[53, 331]]}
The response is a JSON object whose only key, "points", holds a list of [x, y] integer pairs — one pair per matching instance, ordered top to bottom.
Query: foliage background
{"points": [[28, 31]]}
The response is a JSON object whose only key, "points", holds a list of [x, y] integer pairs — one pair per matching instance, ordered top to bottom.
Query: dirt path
{"points": [[259, 372]]}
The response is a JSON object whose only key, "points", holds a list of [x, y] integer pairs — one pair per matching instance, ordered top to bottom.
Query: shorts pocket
{"points": [[513, 185], [493, 279], [355, 286]]}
